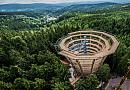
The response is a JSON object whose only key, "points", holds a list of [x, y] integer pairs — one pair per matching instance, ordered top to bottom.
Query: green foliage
{"points": [[28, 59], [128, 62], [28, 63], [123, 64], [103, 73], [4, 75], [21, 83], [89, 83], [39, 84], [57, 84], [5, 86]]}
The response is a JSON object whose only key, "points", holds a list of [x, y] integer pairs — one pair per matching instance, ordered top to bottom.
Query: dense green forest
{"points": [[29, 60]]}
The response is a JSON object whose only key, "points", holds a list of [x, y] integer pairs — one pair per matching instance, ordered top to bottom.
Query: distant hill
{"points": [[29, 7], [63, 7], [87, 7], [122, 7]]}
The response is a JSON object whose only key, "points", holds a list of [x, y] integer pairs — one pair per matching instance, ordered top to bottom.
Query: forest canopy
{"points": [[29, 60]]}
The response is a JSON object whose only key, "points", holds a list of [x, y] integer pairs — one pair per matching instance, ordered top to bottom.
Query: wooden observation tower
{"points": [[87, 50]]}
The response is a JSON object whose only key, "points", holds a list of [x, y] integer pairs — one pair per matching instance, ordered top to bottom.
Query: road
{"points": [[116, 81]]}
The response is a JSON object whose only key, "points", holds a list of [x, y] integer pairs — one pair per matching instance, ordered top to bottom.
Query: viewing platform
{"points": [[87, 50]]}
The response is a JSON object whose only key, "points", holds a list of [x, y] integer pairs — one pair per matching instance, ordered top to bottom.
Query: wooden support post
{"points": [[92, 65]]}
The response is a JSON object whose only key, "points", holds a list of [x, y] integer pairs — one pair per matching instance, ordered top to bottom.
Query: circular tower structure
{"points": [[87, 50]]}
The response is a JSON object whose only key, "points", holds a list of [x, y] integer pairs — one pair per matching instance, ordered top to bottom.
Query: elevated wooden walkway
{"points": [[99, 45], [65, 62], [74, 81]]}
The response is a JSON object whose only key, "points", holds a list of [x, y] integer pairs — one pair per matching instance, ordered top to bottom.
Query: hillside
{"points": [[29, 7], [87, 7], [62, 8], [29, 58]]}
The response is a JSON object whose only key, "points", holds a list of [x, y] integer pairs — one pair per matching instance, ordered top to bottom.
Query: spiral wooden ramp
{"points": [[89, 48]]}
